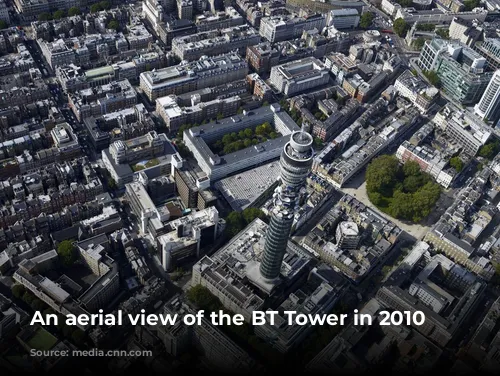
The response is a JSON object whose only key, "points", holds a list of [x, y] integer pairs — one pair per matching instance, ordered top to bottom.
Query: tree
{"points": [[405, 3], [470, 4], [105, 5], [94, 8], [74, 11], [58, 14], [44, 16], [366, 20], [3, 25], [113, 25], [400, 27], [426, 27], [443, 33], [419, 43], [433, 78], [220, 116], [259, 130], [248, 133], [318, 143], [490, 150], [457, 163], [412, 168], [381, 174], [112, 184], [403, 192], [249, 214], [234, 223], [67, 252], [386, 270], [18, 290], [28, 297], [203, 298], [38, 305], [48, 311], [67, 330], [78, 337]]}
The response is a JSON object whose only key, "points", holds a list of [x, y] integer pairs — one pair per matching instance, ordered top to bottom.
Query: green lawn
{"points": [[152, 162], [148, 164], [42, 340]]}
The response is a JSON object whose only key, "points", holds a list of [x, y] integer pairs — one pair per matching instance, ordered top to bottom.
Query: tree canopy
{"points": [[470, 4], [74, 11], [58, 14], [44, 16], [366, 20], [113, 24], [400, 27], [426, 27], [443, 33], [419, 43], [433, 78], [232, 142], [489, 150], [457, 163], [404, 192], [236, 221], [67, 252], [18, 290], [203, 298]]}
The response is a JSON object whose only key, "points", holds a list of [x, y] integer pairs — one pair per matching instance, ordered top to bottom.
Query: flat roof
{"points": [[91, 73], [243, 189]]}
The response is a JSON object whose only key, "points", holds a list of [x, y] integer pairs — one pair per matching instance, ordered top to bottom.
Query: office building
{"points": [[185, 9], [153, 12], [438, 17], [343, 18], [220, 20], [280, 28], [464, 31], [214, 42], [490, 49], [461, 70], [297, 76], [186, 77], [416, 90], [100, 100], [488, 107], [174, 115], [460, 126], [199, 139], [66, 141], [151, 151], [430, 161], [295, 163], [192, 187], [249, 188], [347, 235], [456, 235], [186, 237], [232, 273], [445, 292], [317, 296], [218, 350]]}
